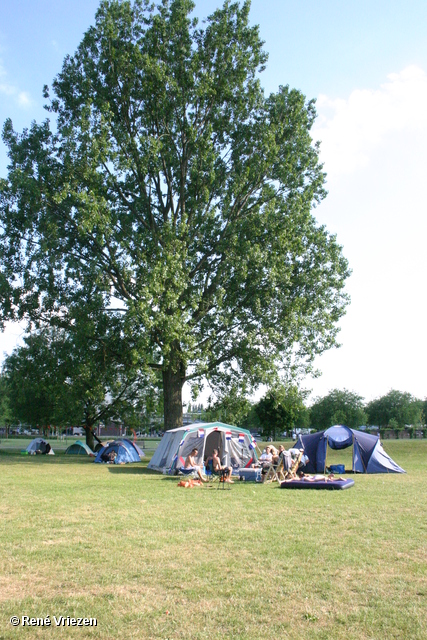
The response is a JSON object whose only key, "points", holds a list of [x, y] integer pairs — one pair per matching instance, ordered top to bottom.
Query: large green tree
{"points": [[175, 190], [80, 376], [28, 383], [340, 406], [232, 408], [282, 409], [396, 409], [423, 415], [6, 416]]}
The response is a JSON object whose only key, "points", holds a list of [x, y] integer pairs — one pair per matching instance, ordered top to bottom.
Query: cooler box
{"points": [[337, 468], [250, 475]]}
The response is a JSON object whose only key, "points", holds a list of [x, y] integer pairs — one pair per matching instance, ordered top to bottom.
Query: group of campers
{"points": [[290, 460], [213, 462]]}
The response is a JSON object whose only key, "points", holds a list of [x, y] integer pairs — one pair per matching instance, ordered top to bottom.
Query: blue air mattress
{"points": [[319, 484]]}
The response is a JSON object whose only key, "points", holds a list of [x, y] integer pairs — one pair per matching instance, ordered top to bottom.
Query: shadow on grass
{"points": [[16, 457], [131, 469]]}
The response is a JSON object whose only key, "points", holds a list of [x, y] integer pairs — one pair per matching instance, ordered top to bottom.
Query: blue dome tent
{"points": [[134, 445], [125, 450], [368, 453]]}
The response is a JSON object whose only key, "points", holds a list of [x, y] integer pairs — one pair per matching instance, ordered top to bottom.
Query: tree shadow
{"points": [[16, 457], [132, 470]]}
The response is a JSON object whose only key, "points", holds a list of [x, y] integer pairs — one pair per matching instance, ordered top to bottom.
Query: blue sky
{"points": [[366, 64]]}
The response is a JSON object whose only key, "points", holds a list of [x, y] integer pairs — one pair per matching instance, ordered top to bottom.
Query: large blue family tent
{"points": [[125, 452], [368, 453]]}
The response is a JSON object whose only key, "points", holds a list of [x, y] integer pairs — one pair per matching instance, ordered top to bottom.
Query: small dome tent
{"points": [[38, 445], [134, 445], [236, 446], [79, 448], [124, 449], [368, 453]]}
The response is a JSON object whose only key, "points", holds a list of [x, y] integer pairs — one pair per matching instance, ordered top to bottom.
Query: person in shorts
{"points": [[190, 464], [221, 470]]}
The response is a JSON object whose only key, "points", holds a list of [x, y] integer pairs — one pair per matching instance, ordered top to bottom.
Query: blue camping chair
{"points": [[191, 473], [211, 474]]}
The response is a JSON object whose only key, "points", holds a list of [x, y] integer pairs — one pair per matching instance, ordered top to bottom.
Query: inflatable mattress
{"points": [[319, 484]]}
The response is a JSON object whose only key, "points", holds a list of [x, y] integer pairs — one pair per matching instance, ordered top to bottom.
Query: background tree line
{"points": [[61, 378], [285, 408]]}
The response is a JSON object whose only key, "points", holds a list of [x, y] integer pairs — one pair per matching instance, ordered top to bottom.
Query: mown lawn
{"points": [[151, 560]]}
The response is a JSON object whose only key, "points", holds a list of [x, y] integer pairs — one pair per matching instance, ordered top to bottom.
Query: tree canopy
{"points": [[179, 197], [63, 378], [338, 407], [281, 409], [396, 409], [6, 416]]}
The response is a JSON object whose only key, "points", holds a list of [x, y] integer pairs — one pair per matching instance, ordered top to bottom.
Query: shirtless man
{"points": [[190, 463], [218, 467]]}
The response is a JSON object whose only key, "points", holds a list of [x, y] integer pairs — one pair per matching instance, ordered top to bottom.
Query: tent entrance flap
{"points": [[214, 441]]}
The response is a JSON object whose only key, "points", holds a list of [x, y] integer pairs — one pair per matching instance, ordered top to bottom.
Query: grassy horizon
{"points": [[150, 560]]}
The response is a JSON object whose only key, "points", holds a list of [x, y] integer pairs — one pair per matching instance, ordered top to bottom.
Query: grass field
{"points": [[150, 560]]}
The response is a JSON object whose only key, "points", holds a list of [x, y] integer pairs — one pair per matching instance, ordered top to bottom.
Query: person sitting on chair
{"points": [[273, 451], [276, 456], [266, 457], [190, 464], [222, 471], [291, 472]]}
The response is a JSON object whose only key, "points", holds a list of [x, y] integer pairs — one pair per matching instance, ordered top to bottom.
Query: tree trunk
{"points": [[172, 398], [90, 441]]}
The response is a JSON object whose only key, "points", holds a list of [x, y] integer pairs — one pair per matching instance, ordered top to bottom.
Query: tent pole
{"points": [[326, 455], [352, 458]]}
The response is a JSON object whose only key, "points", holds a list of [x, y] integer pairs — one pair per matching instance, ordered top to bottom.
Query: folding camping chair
{"points": [[294, 467], [209, 472], [275, 472], [188, 473], [213, 475]]}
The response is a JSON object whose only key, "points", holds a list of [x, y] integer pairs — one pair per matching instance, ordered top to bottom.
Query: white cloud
{"points": [[21, 98], [351, 129], [374, 152]]}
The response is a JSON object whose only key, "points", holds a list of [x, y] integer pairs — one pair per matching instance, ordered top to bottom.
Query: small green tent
{"points": [[79, 448]]}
